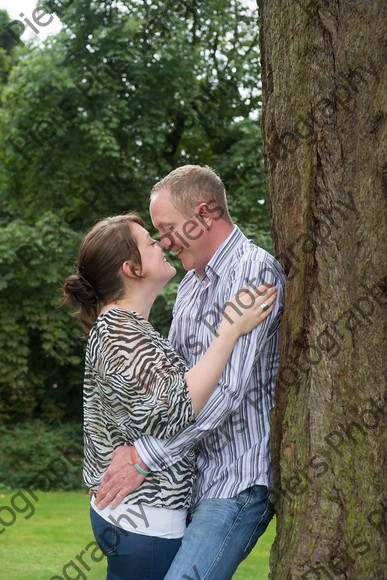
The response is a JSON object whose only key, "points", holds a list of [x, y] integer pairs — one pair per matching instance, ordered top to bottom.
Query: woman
{"points": [[135, 384]]}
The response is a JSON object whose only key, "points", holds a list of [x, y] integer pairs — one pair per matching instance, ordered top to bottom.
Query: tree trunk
{"points": [[325, 146]]}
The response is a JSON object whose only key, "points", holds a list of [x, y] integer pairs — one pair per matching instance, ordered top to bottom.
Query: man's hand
{"points": [[120, 479]]}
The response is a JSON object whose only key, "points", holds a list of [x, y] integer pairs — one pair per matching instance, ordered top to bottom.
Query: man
{"points": [[232, 496]]}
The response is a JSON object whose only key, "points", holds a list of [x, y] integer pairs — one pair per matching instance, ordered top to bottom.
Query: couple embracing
{"points": [[177, 431]]}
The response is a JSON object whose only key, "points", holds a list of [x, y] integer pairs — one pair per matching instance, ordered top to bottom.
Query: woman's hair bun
{"points": [[78, 291]]}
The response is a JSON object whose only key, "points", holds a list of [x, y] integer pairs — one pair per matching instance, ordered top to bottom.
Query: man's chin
{"points": [[184, 260], [185, 264]]}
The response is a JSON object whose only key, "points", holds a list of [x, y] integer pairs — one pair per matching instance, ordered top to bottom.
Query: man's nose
{"points": [[166, 242]]}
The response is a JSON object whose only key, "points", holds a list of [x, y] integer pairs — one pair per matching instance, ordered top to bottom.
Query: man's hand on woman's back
{"points": [[120, 479]]}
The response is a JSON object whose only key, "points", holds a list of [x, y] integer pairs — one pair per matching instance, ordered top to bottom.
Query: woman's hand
{"points": [[248, 308]]}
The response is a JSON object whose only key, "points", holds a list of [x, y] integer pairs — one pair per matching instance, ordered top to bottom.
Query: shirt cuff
{"points": [[149, 457]]}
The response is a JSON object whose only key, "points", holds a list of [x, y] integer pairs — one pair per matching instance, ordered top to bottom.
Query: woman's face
{"points": [[154, 263]]}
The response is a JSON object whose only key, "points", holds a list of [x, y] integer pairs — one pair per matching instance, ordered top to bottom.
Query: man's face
{"points": [[180, 234]]}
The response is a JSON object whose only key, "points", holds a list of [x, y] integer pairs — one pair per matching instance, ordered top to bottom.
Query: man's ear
{"points": [[204, 215], [130, 270]]}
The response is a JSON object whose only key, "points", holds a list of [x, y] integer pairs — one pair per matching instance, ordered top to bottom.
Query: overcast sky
{"points": [[26, 7]]}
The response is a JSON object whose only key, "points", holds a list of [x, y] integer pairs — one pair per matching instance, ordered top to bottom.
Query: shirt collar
{"points": [[218, 263]]}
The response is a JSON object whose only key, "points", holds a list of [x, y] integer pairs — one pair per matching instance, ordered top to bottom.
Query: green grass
{"points": [[46, 545]]}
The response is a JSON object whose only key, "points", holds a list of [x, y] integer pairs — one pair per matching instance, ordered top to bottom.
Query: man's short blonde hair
{"points": [[191, 185]]}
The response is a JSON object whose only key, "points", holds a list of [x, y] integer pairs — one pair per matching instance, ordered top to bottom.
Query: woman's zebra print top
{"points": [[134, 385]]}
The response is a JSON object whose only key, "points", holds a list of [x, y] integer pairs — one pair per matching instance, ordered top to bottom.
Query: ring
{"points": [[264, 306]]}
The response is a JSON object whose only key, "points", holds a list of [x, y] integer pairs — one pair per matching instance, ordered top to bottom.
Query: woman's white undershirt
{"points": [[147, 520]]}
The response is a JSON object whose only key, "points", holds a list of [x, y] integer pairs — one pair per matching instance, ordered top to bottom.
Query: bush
{"points": [[41, 351], [37, 454]]}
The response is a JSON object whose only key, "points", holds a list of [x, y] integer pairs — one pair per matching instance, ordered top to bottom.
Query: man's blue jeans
{"points": [[221, 534], [132, 556]]}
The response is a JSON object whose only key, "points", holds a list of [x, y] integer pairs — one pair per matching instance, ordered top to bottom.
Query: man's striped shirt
{"points": [[232, 432]]}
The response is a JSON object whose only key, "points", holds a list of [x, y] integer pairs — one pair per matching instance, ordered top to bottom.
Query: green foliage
{"points": [[7, 42], [7, 48], [122, 96], [89, 120], [161, 313], [40, 346], [41, 456]]}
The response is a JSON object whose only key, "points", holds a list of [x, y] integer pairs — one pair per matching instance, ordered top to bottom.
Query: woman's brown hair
{"points": [[98, 280]]}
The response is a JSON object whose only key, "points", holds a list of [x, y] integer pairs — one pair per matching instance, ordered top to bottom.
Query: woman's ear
{"points": [[130, 270]]}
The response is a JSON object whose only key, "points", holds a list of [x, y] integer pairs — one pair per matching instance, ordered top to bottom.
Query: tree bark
{"points": [[324, 101]]}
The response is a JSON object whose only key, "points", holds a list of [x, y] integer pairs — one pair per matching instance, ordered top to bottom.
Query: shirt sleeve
{"points": [[232, 386], [144, 389]]}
